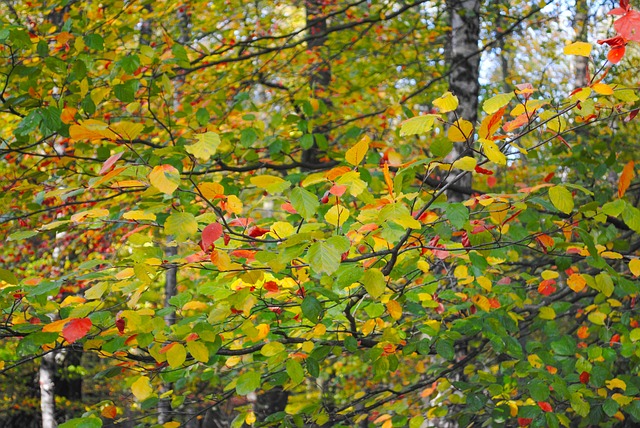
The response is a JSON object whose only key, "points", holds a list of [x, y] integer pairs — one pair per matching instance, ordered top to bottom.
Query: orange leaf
{"points": [[616, 54], [516, 123], [110, 162], [628, 173], [387, 178], [547, 287], [76, 329], [109, 412]]}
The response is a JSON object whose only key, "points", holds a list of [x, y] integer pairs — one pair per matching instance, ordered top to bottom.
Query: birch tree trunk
{"points": [[464, 73], [47, 390]]}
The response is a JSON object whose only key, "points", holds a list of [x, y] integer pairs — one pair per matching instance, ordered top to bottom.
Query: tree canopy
{"points": [[319, 213]]}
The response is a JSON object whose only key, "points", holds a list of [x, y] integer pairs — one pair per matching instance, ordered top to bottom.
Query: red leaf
{"points": [[629, 26], [616, 53], [633, 114], [109, 163], [481, 170], [548, 177], [625, 178], [338, 190], [288, 208], [256, 231], [210, 234], [271, 286], [547, 287], [120, 323], [76, 329], [614, 339], [584, 377], [545, 406], [523, 422]]}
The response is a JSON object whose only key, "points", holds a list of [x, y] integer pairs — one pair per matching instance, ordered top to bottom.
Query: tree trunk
{"points": [[580, 25], [321, 73], [463, 78], [170, 289], [47, 390]]}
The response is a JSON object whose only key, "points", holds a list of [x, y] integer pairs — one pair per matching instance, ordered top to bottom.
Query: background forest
{"points": [[319, 213]]}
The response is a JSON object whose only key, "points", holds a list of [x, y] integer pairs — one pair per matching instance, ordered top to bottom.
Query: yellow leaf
{"points": [[578, 48], [602, 88], [446, 103], [91, 129], [127, 130], [461, 130], [205, 147], [356, 153], [493, 153], [466, 163], [165, 178], [211, 190], [234, 204], [94, 213], [138, 215], [336, 215], [281, 229], [423, 266], [634, 267], [125, 273], [576, 282], [485, 283], [72, 300], [481, 302], [194, 305], [394, 309], [597, 318], [55, 326], [368, 327], [198, 351], [176, 355], [535, 361], [616, 383], [141, 388], [621, 399], [250, 419], [172, 424]]}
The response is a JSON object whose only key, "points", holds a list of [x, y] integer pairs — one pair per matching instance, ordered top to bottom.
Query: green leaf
{"points": [[202, 116], [418, 125], [561, 198], [305, 202], [614, 208], [399, 214], [457, 214], [631, 216], [181, 225], [324, 257], [8, 277], [374, 282], [311, 308], [564, 346], [444, 348], [295, 371], [248, 382], [539, 390], [580, 405], [610, 407], [90, 422]]}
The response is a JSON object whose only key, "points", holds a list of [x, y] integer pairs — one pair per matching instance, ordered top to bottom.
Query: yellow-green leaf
{"points": [[578, 48], [496, 102], [446, 103], [417, 125], [127, 130], [206, 146], [356, 153], [466, 163], [165, 178], [270, 183], [561, 198], [138, 215], [336, 215], [181, 225], [634, 267], [374, 282], [547, 313], [272, 348], [198, 351], [176, 355]]}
